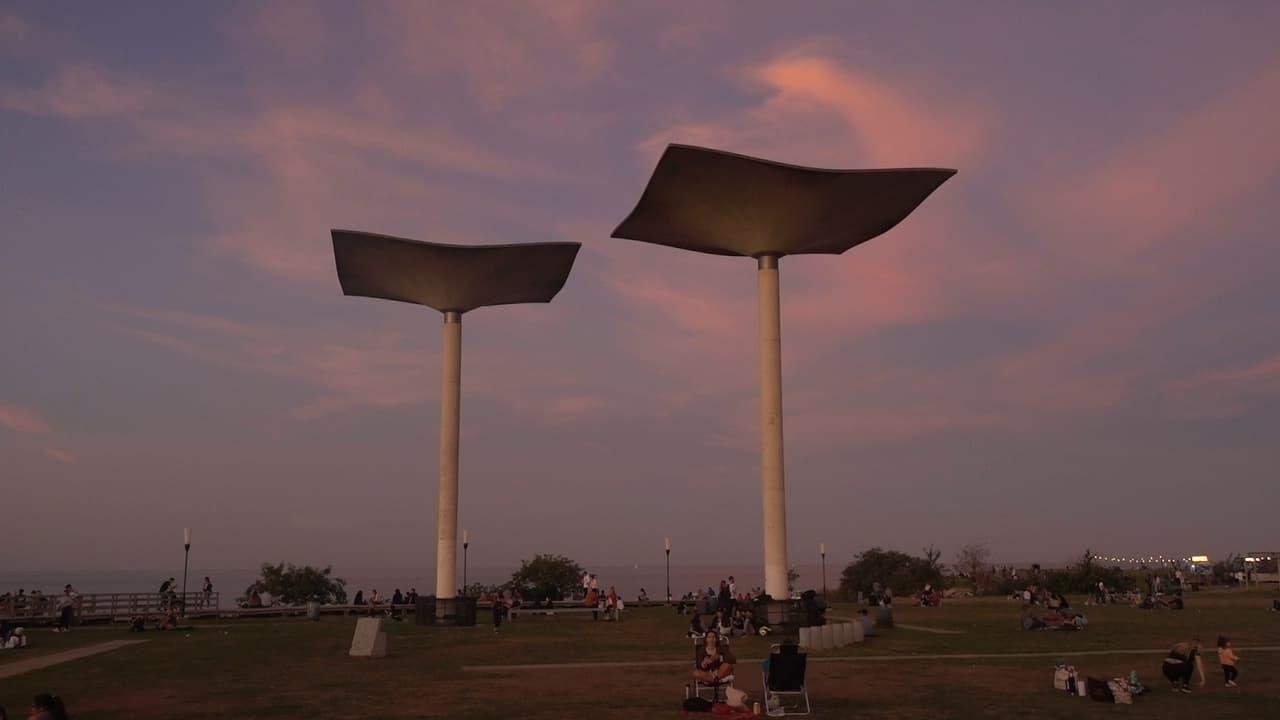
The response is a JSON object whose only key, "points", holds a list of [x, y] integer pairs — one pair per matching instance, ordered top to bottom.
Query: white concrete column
{"points": [[774, 485], [447, 505]]}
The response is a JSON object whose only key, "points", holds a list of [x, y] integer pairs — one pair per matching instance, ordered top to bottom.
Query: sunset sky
{"points": [[1073, 343]]}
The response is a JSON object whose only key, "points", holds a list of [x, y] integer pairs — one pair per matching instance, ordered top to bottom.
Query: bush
{"points": [[902, 573], [547, 577], [294, 585]]}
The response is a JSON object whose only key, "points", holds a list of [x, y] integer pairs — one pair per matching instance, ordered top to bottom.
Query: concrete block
{"points": [[369, 640]]}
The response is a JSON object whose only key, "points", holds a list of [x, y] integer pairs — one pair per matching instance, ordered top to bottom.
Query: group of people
{"points": [[169, 593], [716, 602], [608, 605], [390, 606], [1059, 617], [739, 623]]}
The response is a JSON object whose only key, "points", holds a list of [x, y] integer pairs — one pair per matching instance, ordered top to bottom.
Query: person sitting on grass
{"points": [[170, 621], [1030, 621], [868, 624], [696, 630], [12, 638], [1183, 660], [715, 662], [47, 707]]}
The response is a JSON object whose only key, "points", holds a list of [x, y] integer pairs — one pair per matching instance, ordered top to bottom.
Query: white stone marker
{"points": [[369, 640]]}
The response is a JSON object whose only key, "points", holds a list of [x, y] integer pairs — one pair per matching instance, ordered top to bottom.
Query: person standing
{"points": [[586, 583], [207, 589], [723, 602], [499, 607], [66, 608], [1228, 657]]}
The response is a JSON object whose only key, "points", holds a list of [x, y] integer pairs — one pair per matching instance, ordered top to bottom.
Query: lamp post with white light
{"points": [[668, 543], [822, 550], [186, 557]]}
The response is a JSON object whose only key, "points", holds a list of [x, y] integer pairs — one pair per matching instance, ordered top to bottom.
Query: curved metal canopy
{"points": [[723, 203], [450, 278]]}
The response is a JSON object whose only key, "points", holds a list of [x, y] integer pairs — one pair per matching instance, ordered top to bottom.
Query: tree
{"points": [[974, 562], [898, 571], [547, 577], [293, 585]]}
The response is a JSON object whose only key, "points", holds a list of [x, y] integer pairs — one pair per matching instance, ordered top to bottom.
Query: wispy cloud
{"points": [[23, 420], [60, 455]]}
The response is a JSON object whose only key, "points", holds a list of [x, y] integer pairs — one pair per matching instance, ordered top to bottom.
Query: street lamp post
{"points": [[466, 542], [668, 542], [822, 550], [186, 558]]}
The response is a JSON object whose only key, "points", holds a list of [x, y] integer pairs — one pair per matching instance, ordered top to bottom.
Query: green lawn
{"points": [[295, 668]]}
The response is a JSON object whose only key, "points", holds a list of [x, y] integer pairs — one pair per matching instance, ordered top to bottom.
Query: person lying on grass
{"points": [[716, 662]]}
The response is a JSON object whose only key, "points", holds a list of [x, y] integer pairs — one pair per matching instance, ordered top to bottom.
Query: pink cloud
{"points": [[499, 53], [81, 91], [818, 109], [1171, 178], [347, 369], [1224, 392], [23, 420], [61, 456]]}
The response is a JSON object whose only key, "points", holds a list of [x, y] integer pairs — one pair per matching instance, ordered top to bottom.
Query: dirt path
{"points": [[922, 628], [846, 658], [43, 661]]}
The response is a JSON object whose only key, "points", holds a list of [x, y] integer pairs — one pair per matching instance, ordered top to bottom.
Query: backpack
{"points": [[1098, 690]]}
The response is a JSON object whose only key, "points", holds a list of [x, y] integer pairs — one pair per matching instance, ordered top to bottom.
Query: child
{"points": [[1228, 658]]}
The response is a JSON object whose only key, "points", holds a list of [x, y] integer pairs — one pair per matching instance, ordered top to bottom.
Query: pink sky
{"points": [[1074, 343]]}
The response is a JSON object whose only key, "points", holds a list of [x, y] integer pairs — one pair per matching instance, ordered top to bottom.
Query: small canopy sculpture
{"points": [[722, 203], [453, 279]]}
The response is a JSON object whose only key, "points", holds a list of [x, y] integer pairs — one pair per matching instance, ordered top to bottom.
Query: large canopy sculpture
{"points": [[727, 204], [453, 279]]}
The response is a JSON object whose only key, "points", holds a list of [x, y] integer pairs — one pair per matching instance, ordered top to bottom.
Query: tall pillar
{"points": [[774, 483], [447, 505]]}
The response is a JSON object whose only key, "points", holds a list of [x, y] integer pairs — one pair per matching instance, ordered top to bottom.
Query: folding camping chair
{"points": [[784, 677], [715, 691]]}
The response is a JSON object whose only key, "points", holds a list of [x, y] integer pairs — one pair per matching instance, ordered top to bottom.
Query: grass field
{"points": [[299, 669]]}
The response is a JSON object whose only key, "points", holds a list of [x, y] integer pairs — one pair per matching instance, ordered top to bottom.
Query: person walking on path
{"points": [[66, 608], [1228, 657]]}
